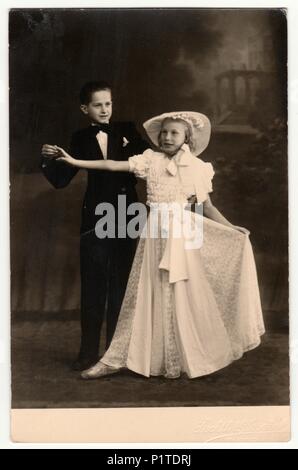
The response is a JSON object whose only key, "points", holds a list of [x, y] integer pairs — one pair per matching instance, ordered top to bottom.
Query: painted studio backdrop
{"points": [[228, 64]]}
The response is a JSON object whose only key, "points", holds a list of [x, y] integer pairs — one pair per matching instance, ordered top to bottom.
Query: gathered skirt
{"points": [[190, 311]]}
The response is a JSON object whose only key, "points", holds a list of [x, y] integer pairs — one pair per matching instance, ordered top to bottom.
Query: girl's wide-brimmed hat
{"points": [[199, 124]]}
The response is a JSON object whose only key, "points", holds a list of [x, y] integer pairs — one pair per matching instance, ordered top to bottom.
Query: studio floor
{"points": [[43, 349]]}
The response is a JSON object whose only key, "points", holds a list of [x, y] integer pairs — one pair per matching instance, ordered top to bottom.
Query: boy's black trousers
{"points": [[105, 266]]}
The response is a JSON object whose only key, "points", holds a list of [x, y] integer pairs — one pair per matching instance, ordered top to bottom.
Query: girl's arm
{"points": [[109, 165], [210, 211]]}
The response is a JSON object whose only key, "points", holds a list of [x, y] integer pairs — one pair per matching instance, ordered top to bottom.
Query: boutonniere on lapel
{"points": [[125, 142]]}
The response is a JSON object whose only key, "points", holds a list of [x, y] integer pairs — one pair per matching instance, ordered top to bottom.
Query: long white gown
{"points": [[186, 310]]}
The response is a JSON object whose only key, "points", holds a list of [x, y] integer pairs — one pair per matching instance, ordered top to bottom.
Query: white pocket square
{"points": [[125, 142]]}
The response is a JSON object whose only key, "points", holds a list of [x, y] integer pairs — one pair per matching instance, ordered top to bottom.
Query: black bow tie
{"points": [[101, 127]]}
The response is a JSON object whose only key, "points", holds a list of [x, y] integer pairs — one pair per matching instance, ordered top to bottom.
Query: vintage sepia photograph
{"points": [[148, 208]]}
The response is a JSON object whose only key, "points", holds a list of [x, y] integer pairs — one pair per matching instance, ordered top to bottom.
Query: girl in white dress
{"points": [[192, 305]]}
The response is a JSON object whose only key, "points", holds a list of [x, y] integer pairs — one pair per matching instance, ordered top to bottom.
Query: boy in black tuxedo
{"points": [[105, 263]]}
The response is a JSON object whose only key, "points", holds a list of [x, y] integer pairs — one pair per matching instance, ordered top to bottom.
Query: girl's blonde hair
{"points": [[188, 131]]}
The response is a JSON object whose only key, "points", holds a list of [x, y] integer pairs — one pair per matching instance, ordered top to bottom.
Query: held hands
{"points": [[49, 151], [57, 153], [65, 157]]}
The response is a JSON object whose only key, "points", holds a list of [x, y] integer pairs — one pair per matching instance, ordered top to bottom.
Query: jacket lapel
{"points": [[115, 143], [111, 144], [93, 150]]}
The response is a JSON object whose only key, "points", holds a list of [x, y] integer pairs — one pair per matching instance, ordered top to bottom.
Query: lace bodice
{"points": [[167, 179]]}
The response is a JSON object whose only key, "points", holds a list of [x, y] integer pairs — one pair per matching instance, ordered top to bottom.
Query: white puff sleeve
{"points": [[139, 164], [208, 176], [203, 180]]}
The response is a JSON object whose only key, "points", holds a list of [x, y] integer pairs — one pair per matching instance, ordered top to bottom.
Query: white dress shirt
{"points": [[102, 139]]}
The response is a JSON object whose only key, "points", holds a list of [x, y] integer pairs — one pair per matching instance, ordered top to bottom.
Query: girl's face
{"points": [[99, 109], [172, 136]]}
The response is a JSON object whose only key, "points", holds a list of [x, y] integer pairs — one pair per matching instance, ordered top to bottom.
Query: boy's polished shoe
{"points": [[84, 363], [99, 370]]}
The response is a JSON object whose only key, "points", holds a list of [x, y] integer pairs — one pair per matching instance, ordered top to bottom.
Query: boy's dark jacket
{"points": [[102, 186]]}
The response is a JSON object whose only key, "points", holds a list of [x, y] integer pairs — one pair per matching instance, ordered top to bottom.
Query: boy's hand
{"points": [[49, 151], [63, 156]]}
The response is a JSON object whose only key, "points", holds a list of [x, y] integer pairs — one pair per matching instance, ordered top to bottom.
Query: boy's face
{"points": [[99, 109], [172, 136]]}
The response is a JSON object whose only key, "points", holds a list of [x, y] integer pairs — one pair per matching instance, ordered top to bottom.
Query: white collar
{"points": [[183, 157]]}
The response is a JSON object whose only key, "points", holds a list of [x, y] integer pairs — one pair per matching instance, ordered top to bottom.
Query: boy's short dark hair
{"points": [[91, 87]]}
